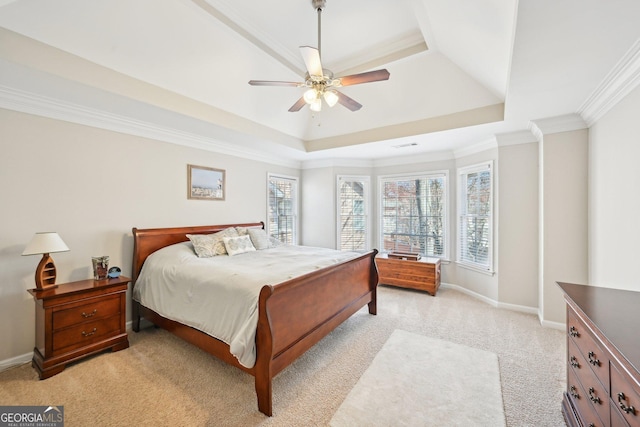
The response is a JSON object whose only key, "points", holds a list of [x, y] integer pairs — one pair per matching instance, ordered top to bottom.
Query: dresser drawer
{"points": [[91, 309], [85, 334], [589, 348], [594, 391], [625, 393], [581, 401]]}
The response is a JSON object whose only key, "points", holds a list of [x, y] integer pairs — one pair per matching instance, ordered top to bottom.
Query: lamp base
{"points": [[46, 274]]}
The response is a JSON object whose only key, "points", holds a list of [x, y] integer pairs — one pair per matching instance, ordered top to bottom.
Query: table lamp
{"points": [[45, 243]]}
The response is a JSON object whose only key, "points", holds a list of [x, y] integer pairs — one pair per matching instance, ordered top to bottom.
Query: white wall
{"points": [[92, 186], [614, 196]]}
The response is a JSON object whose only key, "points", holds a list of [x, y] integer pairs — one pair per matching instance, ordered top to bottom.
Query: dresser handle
{"points": [[93, 313], [574, 332], [88, 334], [593, 360], [574, 362], [573, 392], [593, 397], [625, 408], [592, 425]]}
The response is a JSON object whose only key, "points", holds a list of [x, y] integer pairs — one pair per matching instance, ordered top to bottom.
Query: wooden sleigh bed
{"points": [[293, 315]]}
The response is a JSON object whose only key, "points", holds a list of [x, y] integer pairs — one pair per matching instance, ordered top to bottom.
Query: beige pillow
{"points": [[242, 231], [259, 238], [209, 245], [238, 245]]}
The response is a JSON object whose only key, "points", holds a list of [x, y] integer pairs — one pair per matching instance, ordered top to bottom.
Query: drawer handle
{"points": [[93, 313], [574, 332], [88, 334], [593, 360], [574, 362], [574, 392], [593, 397], [625, 408]]}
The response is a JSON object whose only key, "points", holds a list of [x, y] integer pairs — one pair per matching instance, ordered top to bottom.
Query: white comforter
{"points": [[219, 295]]}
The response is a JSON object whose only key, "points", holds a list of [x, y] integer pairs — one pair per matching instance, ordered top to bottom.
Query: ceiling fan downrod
{"points": [[319, 5]]}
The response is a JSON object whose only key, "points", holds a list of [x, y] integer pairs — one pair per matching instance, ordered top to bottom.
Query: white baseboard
{"points": [[506, 306], [553, 325], [26, 358], [15, 361]]}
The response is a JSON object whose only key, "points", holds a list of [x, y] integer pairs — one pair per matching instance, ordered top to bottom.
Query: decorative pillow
{"points": [[242, 231], [259, 238], [208, 245], [238, 245]]}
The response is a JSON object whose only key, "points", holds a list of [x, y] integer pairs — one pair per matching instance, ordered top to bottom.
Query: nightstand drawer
{"points": [[95, 308], [85, 334]]}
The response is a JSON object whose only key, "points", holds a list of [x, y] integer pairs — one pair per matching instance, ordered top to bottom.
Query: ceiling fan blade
{"points": [[311, 57], [369, 76], [273, 83], [350, 103], [297, 106]]}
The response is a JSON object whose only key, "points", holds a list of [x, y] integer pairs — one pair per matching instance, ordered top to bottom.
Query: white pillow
{"points": [[259, 238], [208, 245], [238, 245]]}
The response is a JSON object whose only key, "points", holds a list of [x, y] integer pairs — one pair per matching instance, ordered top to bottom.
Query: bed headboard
{"points": [[148, 240]]}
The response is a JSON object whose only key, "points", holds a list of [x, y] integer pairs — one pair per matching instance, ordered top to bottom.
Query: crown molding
{"points": [[618, 83], [30, 103], [565, 123], [515, 138], [489, 144], [329, 163]]}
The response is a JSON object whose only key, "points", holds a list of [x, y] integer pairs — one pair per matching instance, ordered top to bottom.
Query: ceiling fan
{"points": [[320, 82]]}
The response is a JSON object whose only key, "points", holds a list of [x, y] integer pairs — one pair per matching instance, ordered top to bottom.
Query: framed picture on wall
{"points": [[205, 183]]}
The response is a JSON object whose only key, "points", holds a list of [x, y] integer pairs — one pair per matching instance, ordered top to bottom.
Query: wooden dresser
{"points": [[423, 274], [77, 319], [603, 357]]}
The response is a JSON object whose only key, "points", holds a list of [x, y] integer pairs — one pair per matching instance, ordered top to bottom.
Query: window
{"points": [[282, 199], [353, 213], [413, 214], [475, 216]]}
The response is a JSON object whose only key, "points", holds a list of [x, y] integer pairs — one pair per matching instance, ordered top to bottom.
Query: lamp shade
{"points": [[331, 97], [45, 243]]}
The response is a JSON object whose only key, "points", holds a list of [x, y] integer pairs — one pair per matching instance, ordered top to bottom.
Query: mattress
{"points": [[219, 295]]}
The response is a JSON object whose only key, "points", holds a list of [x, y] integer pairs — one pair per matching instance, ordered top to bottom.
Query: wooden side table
{"points": [[423, 274], [77, 319]]}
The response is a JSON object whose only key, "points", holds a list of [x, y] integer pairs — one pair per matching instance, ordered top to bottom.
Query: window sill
{"points": [[476, 269]]}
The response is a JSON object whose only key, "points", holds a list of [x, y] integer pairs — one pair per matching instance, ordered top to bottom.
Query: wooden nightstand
{"points": [[423, 274], [77, 319]]}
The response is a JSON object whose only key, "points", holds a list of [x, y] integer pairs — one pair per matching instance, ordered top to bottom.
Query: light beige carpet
{"points": [[162, 381], [420, 381]]}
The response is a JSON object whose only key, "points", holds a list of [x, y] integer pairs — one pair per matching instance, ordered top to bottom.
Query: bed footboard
{"points": [[296, 314]]}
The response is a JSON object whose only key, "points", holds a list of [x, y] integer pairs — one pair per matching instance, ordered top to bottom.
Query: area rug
{"points": [[419, 381]]}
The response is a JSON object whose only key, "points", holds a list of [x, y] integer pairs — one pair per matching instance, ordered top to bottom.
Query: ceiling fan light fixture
{"points": [[310, 96], [331, 98], [316, 105]]}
